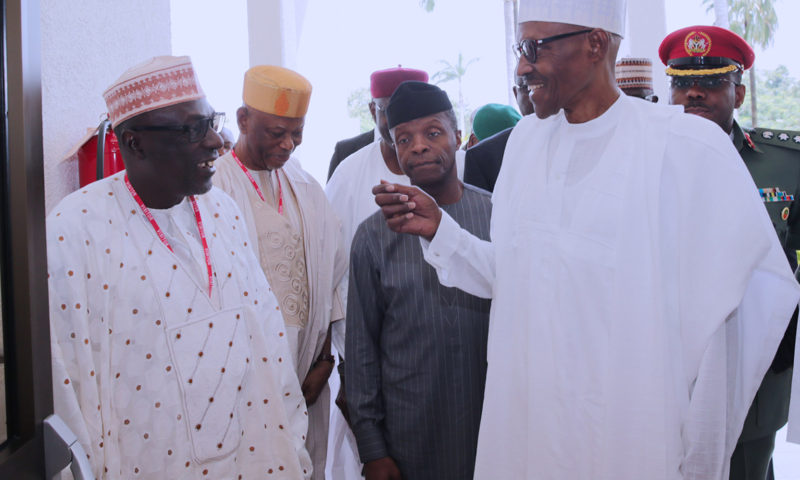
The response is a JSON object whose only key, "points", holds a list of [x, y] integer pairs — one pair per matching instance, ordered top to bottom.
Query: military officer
{"points": [[705, 64]]}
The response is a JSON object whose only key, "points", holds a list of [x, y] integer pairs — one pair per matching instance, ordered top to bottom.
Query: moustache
{"points": [[695, 105]]}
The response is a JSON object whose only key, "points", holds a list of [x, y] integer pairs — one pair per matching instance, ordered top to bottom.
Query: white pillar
{"points": [[647, 27], [274, 29]]}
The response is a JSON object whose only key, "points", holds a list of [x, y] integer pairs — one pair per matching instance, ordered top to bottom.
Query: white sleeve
{"points": [[461, 259], [794, 410]]}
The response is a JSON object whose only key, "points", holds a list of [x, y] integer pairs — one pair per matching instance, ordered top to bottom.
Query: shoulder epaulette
{"points": [[777, 137]]}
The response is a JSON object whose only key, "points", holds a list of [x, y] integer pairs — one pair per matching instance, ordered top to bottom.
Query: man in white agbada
{"points": [[296, 235], [625, 342], [169, 357]]}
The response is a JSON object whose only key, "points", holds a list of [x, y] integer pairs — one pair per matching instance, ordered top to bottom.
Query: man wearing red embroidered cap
{"points": [[705, 64], [350, 188], [168, 352]]}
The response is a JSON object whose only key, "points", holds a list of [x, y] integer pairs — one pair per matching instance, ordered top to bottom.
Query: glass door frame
{"points": [[23, 258]]}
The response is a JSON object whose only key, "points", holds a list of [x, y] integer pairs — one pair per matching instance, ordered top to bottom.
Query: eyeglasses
{"points": [[528, 48], [709, 83], [194, 131]]}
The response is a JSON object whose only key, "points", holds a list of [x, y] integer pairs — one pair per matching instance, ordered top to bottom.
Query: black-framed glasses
{"points": [[528, 48], [709, 83], [194, 131]]}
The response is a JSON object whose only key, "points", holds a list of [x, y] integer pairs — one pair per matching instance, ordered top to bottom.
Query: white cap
{"points": [[608, 15], [153, 84]]}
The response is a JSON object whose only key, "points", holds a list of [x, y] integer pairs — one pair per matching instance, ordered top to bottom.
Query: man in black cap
{"points": [[708, 83], [416, 350]]}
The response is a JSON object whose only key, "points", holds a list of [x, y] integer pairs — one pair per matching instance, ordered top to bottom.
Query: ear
{"points": [[598, 44], [739, 92], [372, 112], [241, 120], [458, 138], [130, 141]]}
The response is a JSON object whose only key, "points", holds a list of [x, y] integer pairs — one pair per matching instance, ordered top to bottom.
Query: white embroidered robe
{"points": [[156, 379]]}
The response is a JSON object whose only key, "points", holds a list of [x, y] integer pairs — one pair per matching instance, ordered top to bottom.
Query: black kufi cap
{"points": [[412, 100]]}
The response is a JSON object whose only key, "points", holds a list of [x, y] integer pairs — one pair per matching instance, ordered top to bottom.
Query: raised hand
{"points": [[408, 209]]}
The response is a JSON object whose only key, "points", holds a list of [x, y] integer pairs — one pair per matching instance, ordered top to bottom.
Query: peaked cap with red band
{"points": [[705, 50], [383, 83]]}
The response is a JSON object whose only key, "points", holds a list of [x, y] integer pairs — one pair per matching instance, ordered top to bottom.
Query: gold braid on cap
{"points": [[700, 72]]}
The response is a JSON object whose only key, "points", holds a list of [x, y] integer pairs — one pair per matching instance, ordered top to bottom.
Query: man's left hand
{"points": [[315, 381]]}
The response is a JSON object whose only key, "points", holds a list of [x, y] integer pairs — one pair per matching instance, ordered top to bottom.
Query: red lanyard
{"points": [[255, 185], [163, 237]]}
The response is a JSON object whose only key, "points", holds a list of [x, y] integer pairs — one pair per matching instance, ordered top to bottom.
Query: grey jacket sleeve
{"points": [[365, 313]]}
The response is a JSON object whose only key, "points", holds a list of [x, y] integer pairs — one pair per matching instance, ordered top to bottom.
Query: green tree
{"points": [[427, 4], [756, 21], [455, 71], [779, 100], [358, 107]]}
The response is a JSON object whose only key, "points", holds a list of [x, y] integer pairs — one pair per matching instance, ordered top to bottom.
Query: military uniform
{"points": [[704, 61], [773, 159]]}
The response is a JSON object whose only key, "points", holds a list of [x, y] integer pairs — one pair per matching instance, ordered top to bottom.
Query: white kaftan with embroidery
{"points": [[156, 379]]}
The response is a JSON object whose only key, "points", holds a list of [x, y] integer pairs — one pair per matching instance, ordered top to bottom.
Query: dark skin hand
{"points": [[408, 209], [317, 377], [341, 401], [382, 469]]}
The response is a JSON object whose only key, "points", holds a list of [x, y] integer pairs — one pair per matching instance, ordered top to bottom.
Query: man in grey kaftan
{"points": [[416, 350]]}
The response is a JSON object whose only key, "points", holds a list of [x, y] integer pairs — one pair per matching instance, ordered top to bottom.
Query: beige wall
{"points": [[86, 45]]}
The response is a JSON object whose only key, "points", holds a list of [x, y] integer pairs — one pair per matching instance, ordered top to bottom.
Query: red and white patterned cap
{"points": [[634, 73], [153, 84]]}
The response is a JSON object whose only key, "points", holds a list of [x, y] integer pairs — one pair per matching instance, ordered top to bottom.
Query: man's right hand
{"points": [[408, 209], [382, 469]]}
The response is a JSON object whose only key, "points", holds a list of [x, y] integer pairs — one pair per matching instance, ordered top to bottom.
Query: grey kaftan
{"points": [[416, 351]]}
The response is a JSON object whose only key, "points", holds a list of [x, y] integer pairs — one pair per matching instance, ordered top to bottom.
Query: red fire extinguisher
{"points": [[99, 157]]}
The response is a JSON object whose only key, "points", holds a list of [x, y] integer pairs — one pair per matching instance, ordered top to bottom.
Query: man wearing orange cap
{"points": [[705, 64], [292, 228], [169, 357]]}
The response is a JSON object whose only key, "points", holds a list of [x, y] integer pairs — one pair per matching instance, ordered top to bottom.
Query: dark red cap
{"points": [[705, 50], [384, 82]]}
